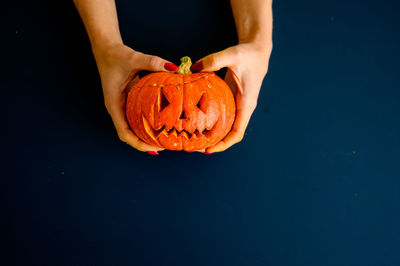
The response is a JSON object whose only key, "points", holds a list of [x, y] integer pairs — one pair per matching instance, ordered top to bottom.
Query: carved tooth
{"points": [[169, 128], [158, 131], [164, 132], [174, 133], [184, 134], [199, 134], [194, 136]]}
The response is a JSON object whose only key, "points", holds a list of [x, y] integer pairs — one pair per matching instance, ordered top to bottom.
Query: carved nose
{"points": [[183, 115]]}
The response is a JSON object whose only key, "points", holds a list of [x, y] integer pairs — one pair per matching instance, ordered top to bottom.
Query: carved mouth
{"points": [[184, 133], [155, 134]]}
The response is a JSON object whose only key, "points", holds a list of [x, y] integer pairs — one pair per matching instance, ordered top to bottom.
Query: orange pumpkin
{"points": [[181, 111]]}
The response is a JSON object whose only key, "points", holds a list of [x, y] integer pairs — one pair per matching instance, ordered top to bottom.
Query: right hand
{"points": [[119, 66]]}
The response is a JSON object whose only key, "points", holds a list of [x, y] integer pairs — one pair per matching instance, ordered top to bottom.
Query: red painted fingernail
{"points": [[170, 67], [197, 67], [190, 151], [152, 152], [208, 153]]}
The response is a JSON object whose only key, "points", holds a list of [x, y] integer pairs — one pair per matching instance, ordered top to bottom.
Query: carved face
{"points": [[181, 112]]}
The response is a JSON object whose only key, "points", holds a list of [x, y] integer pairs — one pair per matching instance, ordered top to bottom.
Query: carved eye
{"points": [[162, 100], [198, 103]]}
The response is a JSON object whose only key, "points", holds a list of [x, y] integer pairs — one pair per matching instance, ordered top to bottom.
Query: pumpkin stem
{"points": [[184, 68]]}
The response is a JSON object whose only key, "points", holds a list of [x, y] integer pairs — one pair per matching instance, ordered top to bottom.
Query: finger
{"points": [[216, 61], [152, 63], [233, 82], [130, 84], [237, 133], [125, 134]]}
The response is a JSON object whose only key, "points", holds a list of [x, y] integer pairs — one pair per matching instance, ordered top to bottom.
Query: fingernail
{"points": [[170, 67], [197, 67], [190, 151], [152, 152], [208, 153]]}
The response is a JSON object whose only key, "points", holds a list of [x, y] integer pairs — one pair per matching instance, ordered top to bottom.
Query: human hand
{"points": [[247, 65], [119, 66]]}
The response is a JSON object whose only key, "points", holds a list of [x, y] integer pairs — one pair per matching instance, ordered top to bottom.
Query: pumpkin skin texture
{"points": [[181, 111]]}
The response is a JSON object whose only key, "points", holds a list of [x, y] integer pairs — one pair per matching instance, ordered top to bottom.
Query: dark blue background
{"points": [[316, 181]]}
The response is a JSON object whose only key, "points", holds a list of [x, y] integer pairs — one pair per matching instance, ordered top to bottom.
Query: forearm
{"points": [[253, 19], [101, 22]]}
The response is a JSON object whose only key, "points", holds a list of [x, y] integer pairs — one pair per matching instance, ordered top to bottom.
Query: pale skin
{"points": [[118, 64]]}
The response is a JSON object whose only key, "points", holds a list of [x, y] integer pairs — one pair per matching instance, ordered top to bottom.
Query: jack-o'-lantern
{"points": [[181, 111]]}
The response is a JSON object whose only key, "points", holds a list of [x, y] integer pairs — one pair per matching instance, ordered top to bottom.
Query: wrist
{"points": [[258, 39], [101, 44], [264, 46], [99, 48]]}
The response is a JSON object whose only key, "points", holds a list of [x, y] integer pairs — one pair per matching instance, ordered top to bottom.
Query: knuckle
{"points": [[270, 47], [236, 53], [134, 57], [153, 61], [212, 61], [250, 103], [253, 106], [108, 107], [112, 108], [239, 135], [122, 136], [239, 138], [140, 147]]}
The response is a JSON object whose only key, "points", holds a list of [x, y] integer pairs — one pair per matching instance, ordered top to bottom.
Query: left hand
{"points": [[247, 65]]}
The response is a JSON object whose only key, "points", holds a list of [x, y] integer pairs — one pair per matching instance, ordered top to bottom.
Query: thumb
{"points": [[216, 61], [153, 63]]}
